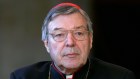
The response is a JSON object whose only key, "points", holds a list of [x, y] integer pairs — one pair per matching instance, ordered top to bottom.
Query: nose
{"points": [[70, 41]]}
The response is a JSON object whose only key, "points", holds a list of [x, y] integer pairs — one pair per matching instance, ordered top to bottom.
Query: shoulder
{"points": [[106, 65], [39, 66], [35, 69], [106, 69]]}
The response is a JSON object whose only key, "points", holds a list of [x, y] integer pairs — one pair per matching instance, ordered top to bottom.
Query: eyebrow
{"points": [[76, 27], [80, 27]]}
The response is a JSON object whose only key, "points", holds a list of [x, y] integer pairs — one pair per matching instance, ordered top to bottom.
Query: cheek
{"points": [[85, 48], [55, 51]]}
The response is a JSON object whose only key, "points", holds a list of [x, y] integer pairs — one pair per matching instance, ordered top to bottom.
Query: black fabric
{"points": [[98, 70], [55, 74]]}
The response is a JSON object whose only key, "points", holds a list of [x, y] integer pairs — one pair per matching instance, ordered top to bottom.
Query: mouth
{"points": [[71, 55]]}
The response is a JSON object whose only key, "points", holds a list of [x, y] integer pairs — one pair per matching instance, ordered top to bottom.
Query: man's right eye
{"points": [[59, 35]]}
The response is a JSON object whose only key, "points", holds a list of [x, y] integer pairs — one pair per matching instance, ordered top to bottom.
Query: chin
{"points": [[71, 65]]}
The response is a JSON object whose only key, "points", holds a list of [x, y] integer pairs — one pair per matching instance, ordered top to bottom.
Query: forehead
{"points": [[68, 22]]}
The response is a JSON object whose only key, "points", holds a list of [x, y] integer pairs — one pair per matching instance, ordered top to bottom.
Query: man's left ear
{"points": [[91, 40], [46, 45]]}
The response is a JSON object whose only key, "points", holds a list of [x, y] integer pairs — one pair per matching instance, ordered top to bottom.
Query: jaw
{"points": [[70, 65], [67, 70]]}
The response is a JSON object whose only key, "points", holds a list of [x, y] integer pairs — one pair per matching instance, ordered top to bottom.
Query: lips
{"points": [[71, 55]]}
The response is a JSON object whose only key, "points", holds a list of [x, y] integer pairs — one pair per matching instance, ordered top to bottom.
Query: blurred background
{"points": [[115, 24]]}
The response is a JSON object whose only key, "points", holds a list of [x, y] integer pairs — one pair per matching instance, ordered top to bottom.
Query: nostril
{"points": [[70, 45]]}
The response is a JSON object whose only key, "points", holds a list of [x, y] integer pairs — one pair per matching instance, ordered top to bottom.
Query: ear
{"points": [[91, 40], [46, 46]]}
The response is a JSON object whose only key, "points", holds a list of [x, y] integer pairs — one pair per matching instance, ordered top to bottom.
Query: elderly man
{"points": [[67, 35]]}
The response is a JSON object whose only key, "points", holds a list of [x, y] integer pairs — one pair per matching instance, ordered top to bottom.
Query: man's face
{"points": [[69, 53]]}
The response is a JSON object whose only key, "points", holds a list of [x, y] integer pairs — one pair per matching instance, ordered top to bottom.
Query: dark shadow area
{"points": [[116, 33]]}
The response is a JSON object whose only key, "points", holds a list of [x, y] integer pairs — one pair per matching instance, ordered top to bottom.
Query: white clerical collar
{"points": [[69, 76]]}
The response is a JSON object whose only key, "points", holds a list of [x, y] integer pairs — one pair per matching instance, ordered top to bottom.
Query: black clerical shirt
{"points": [[98, 70]]}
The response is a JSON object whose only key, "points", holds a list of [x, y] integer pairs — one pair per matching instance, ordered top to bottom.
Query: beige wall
{"points": [[20, 33]]}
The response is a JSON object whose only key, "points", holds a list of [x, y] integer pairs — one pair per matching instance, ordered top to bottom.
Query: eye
{"points": [[79, 33], [59, 35]]}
